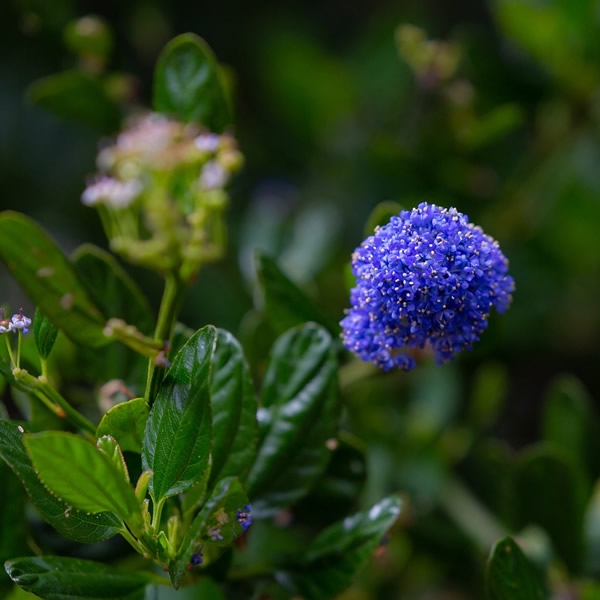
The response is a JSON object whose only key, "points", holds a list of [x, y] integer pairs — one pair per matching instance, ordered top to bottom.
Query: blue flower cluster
{"points": [[427, 277], [244, 517]]}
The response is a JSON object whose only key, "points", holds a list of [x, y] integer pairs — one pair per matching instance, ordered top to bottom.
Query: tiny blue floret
{"points": [[428, 277], [20, 321], [5, 324], [244, 517], [197, 559]]}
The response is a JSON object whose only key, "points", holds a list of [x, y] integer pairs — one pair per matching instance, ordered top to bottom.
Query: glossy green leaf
{"points": [[188, 85], [77, 96], [49, 279], [286, 305], [44, 333], [181, 334], [233, 409], [299, 415], [126, 422], [177, 439], [110, 447], [541, 471], [82, 475], [219, 513], [70, 523], [342, 550], [510, 576], [61, 578]]}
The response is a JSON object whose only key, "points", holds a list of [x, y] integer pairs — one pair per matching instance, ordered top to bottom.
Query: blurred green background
{"points": [[492, 107]]}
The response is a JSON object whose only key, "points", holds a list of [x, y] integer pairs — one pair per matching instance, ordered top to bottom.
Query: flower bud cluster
{"points": [[433, 61], [160, 193], [428, 277], [18, 322]]}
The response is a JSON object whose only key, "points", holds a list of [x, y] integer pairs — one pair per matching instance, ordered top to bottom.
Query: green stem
{"points": [[167, 316], [19, 346], [10, 352], [44, 365], [41, 387], [49, 405], [156, 514], [470, 515], [133, 542]]}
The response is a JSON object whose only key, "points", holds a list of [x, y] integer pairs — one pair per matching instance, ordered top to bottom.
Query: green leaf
{"points": [[89, 37], [188, 85], [77, 96], [493, 126], [48, 278], [114, 292], [117, 296], [286, 305], [44, 333], [181, 334], [489, 393], [233, 409], [299, 414], [126, 422], [570, 422], [177, 439], [110, 447], [488, 470], [541, 471], [82, 475], [339, 487], [220, 511], [13, 522], [73, 524], [591, 532], [342, 550], [510, 576], [60, 578], [205, 588], [18, 593]]}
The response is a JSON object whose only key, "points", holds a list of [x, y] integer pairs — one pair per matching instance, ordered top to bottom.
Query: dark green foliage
{"points": [[189, 86], [79, 97], [49, 279], [44, 333], [299, 413], [177, 440], [71, 523], [510, 576], [59, 578]]}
